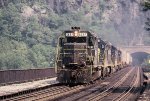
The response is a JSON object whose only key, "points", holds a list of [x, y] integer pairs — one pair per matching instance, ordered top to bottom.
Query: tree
{"points": [[146, 7], [10, 22]]}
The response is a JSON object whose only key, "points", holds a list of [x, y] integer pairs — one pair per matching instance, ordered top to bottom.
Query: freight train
{"points": [[82, 57]]}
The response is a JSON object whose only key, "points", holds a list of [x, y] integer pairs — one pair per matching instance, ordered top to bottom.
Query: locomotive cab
{"points": [[74, 49], [75, 55]]}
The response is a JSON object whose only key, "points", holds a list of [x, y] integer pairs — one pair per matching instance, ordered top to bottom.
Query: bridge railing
{"points": [[17, 76]]}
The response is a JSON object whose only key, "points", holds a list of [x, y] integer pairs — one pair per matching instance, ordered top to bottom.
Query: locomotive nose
{"points": [[75, 56], [75, 59]]}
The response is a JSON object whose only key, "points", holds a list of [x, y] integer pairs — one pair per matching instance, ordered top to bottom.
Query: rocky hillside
{"points": [[122, 17], [128, 19], [29, 28]]}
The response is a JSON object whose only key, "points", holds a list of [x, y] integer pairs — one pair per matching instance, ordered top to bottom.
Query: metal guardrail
{"points": [[17, 76]]}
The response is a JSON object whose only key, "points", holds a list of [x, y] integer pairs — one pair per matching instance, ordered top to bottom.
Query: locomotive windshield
{"points": [[76, 39]]}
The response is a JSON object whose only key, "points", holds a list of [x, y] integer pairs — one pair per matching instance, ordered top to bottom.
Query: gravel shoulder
{"points": [[14, 88]]}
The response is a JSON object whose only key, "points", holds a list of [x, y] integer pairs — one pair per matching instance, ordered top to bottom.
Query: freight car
{"points": [[82, 57]]}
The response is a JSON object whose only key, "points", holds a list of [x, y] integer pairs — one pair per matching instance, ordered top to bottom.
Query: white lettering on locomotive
{"points": [[69, 34], [77, 34]]}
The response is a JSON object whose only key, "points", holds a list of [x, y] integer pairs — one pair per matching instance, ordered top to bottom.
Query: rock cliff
{"points": [[124, 16]]}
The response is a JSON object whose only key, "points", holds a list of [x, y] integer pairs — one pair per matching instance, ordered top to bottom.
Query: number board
{"points": [[76, 34]]}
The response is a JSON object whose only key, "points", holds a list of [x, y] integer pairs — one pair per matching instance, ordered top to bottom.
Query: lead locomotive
{"points": [[82, 57]]}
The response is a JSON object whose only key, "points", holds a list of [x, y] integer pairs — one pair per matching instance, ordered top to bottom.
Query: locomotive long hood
{"points": [[74, 54]]}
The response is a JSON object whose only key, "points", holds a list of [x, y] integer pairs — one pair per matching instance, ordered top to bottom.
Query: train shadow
{"points": [[71, 84]]}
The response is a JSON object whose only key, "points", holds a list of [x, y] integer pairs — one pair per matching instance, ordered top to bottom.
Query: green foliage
{"points": [[146, 5], [10, 22], [147, 23], [27, 41], [25, 45], [13, 54], [42, 56], [146, 62]]}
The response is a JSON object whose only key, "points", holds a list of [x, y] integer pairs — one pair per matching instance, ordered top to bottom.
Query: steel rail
{"points": [[109, 90], [26, 92], [61, 93], [86, 93], [48, 94], [127, 94], [31, 95]]}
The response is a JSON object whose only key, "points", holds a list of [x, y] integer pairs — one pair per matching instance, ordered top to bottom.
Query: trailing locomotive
{"points": [[82, 57]]}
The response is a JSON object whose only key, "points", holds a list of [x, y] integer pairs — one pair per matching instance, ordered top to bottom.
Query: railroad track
{"points": [[95, 89], [130, 89], [108, 91], [123, 91], [58, 92], [61, 92], [42, 93], [23, 94], [45, 94]]}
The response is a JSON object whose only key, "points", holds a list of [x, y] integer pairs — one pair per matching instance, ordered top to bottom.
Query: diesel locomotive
{"points": [[82, 57]]}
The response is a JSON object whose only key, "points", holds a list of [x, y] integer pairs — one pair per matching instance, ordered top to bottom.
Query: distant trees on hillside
{"points": [[146, 6], [28, 41], [24, 42]]}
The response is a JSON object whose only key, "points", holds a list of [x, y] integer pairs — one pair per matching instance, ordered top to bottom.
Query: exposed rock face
{"points": [[63, 6], [27, 11], [124, 15], [128, 19]]}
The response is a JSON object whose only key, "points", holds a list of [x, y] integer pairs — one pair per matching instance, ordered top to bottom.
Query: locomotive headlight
{"points": [[76, 33], [63, 66]]}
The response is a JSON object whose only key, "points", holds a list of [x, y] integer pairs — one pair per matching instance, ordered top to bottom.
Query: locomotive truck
{"points": [[83, 57]]}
